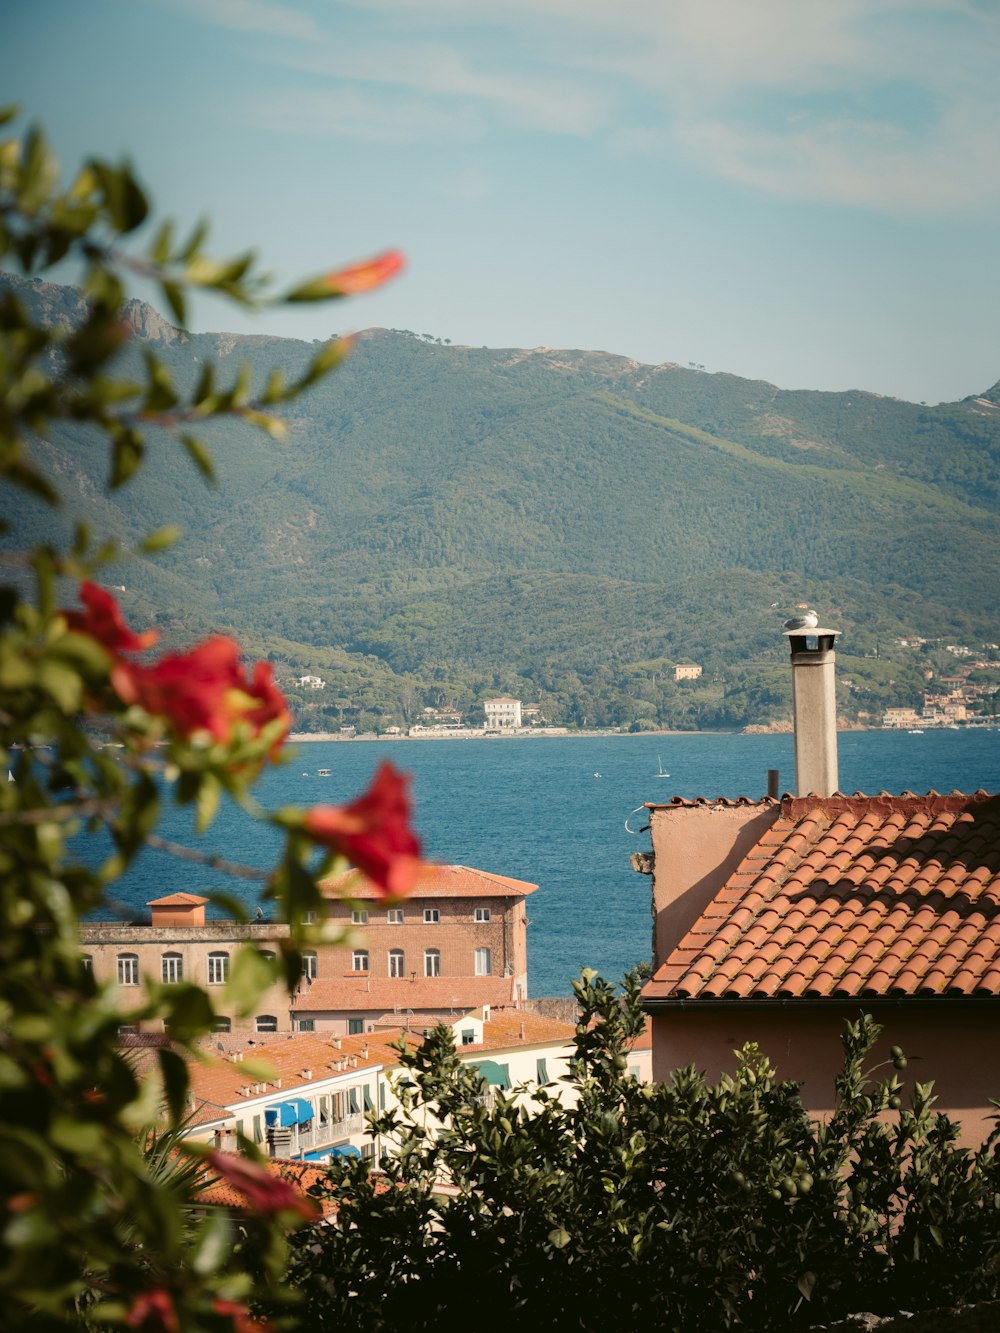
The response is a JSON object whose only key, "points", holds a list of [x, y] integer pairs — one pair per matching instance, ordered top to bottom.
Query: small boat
{"points": [[915, 731], [322, 772], [661, 772]]}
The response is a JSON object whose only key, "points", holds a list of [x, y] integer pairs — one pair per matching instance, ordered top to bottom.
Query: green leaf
{"points": [[162, 245], [173, 294], [199, 454], [126, 455], [161, 539], [61, 683], [206, 802], [250, 975], [174, 1072]]}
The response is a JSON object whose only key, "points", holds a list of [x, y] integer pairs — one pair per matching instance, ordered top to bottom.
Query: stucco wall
{"points": [[958, 1049]]}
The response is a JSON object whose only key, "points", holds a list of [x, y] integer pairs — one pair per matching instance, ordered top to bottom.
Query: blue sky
{"points": [[803, 191]]}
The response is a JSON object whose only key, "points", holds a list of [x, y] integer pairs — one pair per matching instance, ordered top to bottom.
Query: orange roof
{"points": [[434, 881], [852, 896], [178, 900], [380, 995], [518, 1027], [218, 1082], [303, 1175]]}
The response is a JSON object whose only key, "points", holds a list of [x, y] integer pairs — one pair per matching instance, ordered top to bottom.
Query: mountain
{"points": [[446, 521]]}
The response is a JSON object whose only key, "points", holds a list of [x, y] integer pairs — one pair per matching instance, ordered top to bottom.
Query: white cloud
{"points": [[275, 20], [441, 72], [876, 104], [353, 113]]}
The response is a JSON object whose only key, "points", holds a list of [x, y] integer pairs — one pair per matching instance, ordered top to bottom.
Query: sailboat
{"points": [[661, 771]]}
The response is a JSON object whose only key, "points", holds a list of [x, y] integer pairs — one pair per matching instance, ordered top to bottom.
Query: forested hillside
{"points": [[443, 522]]}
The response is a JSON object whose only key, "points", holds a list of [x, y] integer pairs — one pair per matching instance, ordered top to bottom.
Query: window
{"points": [[483, 914], [394, 916], [431, 916], [359, 917], [309, 918], [267, 954], [360, 960], [432, 962], [88, 963], [397, 963], [484, 963], [309, 966], [173, 967], [128, 969], [218, 969], [267, 1023], [220, 1024], [306, 1025], [355, 1026], [128, 1030], [468, 1036], [541, 1070], [366, 1094], [355, 1104], [258, 1133]]}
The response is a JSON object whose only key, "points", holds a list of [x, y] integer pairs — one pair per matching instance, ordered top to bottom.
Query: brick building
{"points": [[459, 941]]}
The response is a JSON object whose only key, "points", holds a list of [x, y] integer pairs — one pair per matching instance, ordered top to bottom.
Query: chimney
{"points": [[815, 705]]}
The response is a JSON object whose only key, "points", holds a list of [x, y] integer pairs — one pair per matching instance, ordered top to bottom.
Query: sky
{"points": [[801, 191]]}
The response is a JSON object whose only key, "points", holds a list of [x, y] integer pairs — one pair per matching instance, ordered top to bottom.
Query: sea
{"points": [[565, 813]]}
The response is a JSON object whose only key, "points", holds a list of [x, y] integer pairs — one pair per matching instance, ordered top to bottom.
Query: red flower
{"points": [[364, 276], [102, 619], [191, 689], [204, 690], [270, 703], [373, 832], [265, 1193], [153, 1312], [240, 1315]]}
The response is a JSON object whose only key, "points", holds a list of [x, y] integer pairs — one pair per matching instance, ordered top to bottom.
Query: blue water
{"points": [[536, 809]]}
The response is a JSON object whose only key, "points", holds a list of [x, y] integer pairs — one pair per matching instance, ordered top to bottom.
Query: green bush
{"points": [[689, 1206]]}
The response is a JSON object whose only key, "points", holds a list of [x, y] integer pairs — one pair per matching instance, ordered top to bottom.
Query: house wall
{"points": [[696, 849], [457, 936], [104, 941], [960, 1053]]}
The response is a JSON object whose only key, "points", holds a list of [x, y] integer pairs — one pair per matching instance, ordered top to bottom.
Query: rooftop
{"points": [[434, 881], [868, 896], [178, 900], [421, 994]]}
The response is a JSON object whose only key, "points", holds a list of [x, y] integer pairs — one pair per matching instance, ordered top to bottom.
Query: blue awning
{"points": [[494, 1074], [295, 1111], [345, 1150]]}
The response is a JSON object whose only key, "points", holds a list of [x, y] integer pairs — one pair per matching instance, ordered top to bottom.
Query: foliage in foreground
{"points": [[96, 736], [687, 1206]]}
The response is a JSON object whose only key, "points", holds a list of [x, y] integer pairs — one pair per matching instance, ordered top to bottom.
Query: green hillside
{"points": [[446, 521]]}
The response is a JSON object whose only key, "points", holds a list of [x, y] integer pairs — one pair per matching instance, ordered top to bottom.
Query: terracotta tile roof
{"points": [[435, 881], [843, 896], [178, 900], [384, 994], [513, 1028], [219, 1082], [223, 1194]]}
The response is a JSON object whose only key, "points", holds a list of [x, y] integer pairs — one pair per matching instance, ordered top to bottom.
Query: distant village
{"points": [[964, 695], [967, 697]]}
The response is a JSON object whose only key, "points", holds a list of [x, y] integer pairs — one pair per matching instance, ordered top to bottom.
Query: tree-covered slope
{"points": [[468, 518]]}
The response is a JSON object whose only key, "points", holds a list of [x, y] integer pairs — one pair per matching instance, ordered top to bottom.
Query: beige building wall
{"points": [[128, 955], [957, 1047]]}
